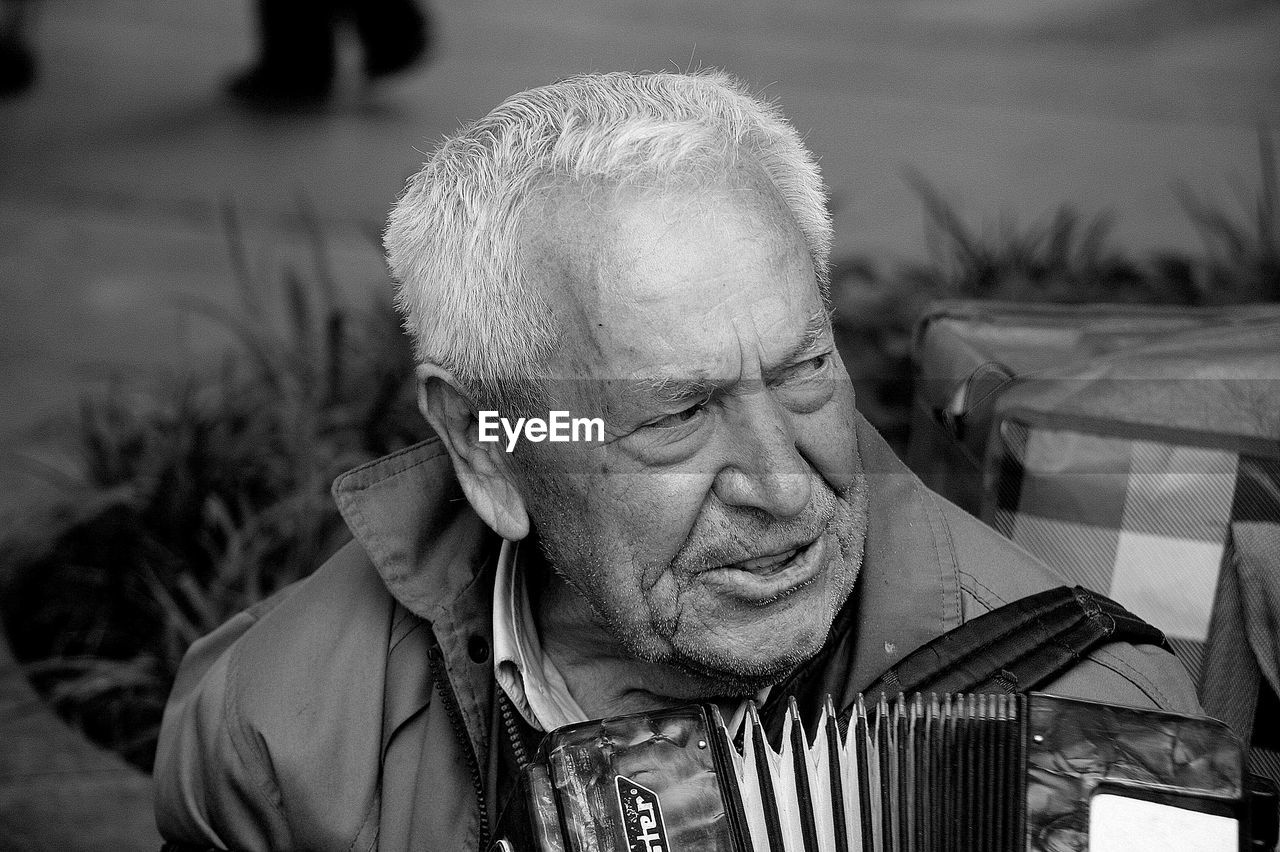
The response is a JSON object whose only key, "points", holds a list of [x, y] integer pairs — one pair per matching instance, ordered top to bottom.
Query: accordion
{"points": [[957, 773]]}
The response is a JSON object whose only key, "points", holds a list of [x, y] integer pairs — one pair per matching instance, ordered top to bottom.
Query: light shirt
{"points": [[528, 676]]}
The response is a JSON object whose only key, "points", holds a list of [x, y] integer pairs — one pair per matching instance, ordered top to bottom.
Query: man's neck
{"points": [[601, 676]]}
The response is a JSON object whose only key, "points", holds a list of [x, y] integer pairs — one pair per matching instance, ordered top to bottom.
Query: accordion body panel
{"points": [[920, 775], [640, 781]]}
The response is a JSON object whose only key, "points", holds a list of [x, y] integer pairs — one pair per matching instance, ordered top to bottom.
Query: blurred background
{"points": [[196, 332]]}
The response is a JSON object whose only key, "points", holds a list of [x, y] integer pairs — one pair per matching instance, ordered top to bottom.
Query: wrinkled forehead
{"points": [[647, 281]]}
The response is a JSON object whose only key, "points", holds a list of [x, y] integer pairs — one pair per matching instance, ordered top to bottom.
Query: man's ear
{"points": [[483, 468]]}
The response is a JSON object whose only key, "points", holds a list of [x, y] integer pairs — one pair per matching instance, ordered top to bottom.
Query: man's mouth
{"points": [[767, 564], [763, 580]]}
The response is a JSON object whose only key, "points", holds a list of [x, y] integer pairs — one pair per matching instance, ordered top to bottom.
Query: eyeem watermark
{"points": [[557, 427]]}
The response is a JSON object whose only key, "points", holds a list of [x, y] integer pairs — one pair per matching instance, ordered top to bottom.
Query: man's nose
{"points": [[765, 469]]}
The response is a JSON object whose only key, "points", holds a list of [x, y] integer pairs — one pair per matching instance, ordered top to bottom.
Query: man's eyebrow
{"points": [[814, 332], [700, 384], [674, 389]]}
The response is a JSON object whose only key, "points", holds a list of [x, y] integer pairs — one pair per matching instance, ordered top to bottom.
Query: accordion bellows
{"points": [[960, 772]]}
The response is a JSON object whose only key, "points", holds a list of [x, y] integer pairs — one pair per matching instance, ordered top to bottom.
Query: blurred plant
{"points": [[1243, 249], [1067, 257], [872, 317], [199, 494]]}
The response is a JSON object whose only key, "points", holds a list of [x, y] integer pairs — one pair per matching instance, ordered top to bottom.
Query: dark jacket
{"points": [[355, 710]]}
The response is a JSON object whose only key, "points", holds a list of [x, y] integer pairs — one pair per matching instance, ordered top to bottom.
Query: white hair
{"points": [[453, 238]]}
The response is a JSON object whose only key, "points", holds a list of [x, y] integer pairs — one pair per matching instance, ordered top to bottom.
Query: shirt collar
{"points": [[527, 675]]}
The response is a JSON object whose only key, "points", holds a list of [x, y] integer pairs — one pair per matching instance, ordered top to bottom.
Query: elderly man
{"points": [[647, 253]]}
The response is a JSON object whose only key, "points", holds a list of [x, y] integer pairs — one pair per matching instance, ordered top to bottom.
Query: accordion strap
{"points": [[1017, 647]]}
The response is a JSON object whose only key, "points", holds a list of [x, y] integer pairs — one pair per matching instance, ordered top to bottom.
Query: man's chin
{"points": [[732, 673]]}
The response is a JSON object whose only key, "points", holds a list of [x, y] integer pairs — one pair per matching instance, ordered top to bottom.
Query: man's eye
{"points": [[814, 365], [808, 369], [807, 386], [679, 418]]}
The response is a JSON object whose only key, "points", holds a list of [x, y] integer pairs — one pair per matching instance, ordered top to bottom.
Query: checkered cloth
{"points": [[1137, 450], [1149, 521]]}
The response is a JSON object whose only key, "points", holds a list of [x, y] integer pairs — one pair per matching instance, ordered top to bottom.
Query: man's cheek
{"points": [[828, 440], [657, 512], [667, 601], [691, 611]]}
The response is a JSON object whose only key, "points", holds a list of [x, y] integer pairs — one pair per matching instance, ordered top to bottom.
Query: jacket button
{"points": [[478, 649]]}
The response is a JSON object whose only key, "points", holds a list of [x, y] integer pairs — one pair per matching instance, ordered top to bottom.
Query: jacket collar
{"points": [[408, 511], [436, 558], [908, 590]]}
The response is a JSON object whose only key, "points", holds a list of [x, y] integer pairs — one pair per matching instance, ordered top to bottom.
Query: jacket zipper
{"points": [[454, 712], [513, 732]]}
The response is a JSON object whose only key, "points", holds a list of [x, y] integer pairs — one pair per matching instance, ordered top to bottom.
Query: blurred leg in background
{"points": [[395, 34], [297, 47], [295, 53], [17, 62]]}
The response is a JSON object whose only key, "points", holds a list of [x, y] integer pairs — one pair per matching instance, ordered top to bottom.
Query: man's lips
{"points": [[769, 559], [763, 564], [761, 580]]}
